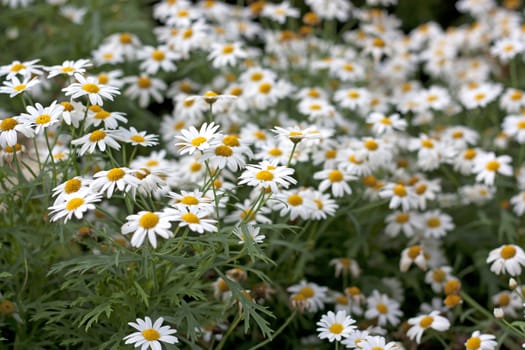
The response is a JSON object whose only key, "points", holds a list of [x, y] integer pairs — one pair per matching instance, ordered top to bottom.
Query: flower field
{"points": [[318, 174]]}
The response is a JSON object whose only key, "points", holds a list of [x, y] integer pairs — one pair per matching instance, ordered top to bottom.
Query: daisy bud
{"points": [[512, 283], [452, 301], [498, 313]]}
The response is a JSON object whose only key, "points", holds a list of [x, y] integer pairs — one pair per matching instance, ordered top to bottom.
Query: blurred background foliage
{"points": [[39, 31]]}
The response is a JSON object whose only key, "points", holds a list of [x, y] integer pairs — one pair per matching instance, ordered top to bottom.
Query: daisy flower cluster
{"points": [[361, 184]]}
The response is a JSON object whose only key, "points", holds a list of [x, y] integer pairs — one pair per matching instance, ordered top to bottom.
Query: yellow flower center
{"points": [[188, 33], [125, 38], [378, 42], [227, 49], [158, 55], [17, 67], [348, 67], [67, 69], [256, 76], [103, 78], [144, 82], [20, 87], [90, 88], [265, 88], [236, 91], [353, 94], [516, 95], [479, 97], [68, 107], [315, 107], [101, 115], [43, 119], [385, 121], [8, 124], [521, 124], [457, 134], [97, 135], [259, 135], [137, 138], [199, 140], [231, 140], [427, 143], [371, 145], [10, 149], [223, 151], [275, 152], [330, 154], [469, 154], [152, 162], [492, 165], [194, 167], [115, 174], [264, 175], [335, 176], [72, 185], [400, 190], [189, 200], [295, 200], [74, 203], [190, 218], [401, 218], [148, 220], [433, 222], [414, 251], [508, 252], [439, 275], [222, 286], [353, 291], [307, 292], [341, 300], [503, 300], [7, 307], [382, 308], [426, 321], [336, 328], [151, 334], [473, 343]]}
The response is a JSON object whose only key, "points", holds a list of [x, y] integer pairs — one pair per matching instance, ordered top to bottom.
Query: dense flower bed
{"points": [[264, 175]]}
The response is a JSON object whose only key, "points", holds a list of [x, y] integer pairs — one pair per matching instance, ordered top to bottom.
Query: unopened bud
{"points": [[512, 283], [498, 312]]}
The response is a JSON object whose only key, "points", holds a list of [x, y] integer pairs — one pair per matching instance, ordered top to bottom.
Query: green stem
{"points": [[291, 154], [50, 156], [502, 323], [234, 325]]}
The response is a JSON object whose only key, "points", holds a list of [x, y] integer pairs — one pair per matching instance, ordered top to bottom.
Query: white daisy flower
{"points": [[228, 54], [69, 68], [14, 86], [92, 88], [143, 88], [98, 115], [42, 117], [9, 129], [136, 138], [100, 139], [198, 140], [486, 167], [267, 175], [334, 179], [106, 181], [74, 204], [195, 219], [147, 224], [252, 231], [508, 259], [308, 295], [385, 309], [421, 323], [335, 326], [150, 335], [479, 341]]}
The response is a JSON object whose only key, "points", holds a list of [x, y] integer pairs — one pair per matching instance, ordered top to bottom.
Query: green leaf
{"points": [[94, 314]]}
